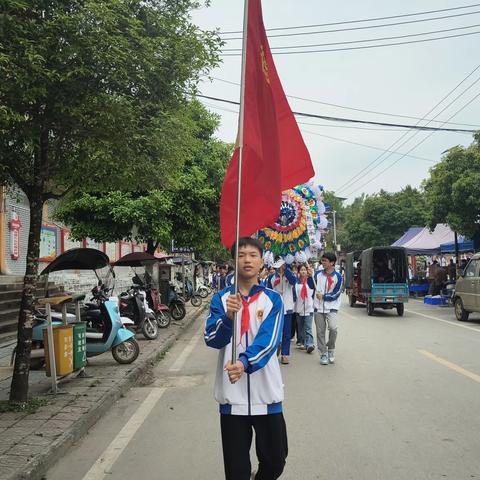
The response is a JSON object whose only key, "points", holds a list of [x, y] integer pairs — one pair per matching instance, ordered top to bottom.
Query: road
{"points": [[401, 402]]}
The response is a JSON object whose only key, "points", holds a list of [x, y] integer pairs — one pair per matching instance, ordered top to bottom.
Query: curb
{"points": [[36, 469]]}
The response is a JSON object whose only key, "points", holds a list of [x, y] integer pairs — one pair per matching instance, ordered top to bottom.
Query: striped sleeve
{"points": [[218, 327], [257, 355]]}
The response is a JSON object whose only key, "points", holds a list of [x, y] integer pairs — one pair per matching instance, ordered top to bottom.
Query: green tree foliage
{"points": [[92, 96], [453, 190], [186, 210], [382, 218]]}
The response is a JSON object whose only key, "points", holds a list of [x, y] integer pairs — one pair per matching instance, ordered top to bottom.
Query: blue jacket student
{"points": [[260, 392]]}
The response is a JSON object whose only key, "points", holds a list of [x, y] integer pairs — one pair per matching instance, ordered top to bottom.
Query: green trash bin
{"points": [[79, 345]]}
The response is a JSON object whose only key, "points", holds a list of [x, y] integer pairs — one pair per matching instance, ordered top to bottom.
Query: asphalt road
{"points": [[401, 402]]}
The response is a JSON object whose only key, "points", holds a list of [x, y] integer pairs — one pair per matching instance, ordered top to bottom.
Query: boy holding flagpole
{"points": [[250, 390]]}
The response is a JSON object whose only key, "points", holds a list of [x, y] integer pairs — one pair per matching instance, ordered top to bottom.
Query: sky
{"points": [[402, 80]]}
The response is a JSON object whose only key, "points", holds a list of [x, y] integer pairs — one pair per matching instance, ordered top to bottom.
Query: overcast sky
{"points": [[405, 80]]}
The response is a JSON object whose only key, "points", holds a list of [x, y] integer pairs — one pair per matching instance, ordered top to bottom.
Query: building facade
{"points": [[54, 239]]}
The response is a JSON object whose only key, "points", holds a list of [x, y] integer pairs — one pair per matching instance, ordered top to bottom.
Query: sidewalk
{"points": [[31, 443]]}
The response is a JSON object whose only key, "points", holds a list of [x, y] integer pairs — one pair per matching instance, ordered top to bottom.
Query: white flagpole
{"points": [[240, 161]]}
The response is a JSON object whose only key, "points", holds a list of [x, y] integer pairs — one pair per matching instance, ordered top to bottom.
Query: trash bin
{"points": [[63, 343], [79, 345]]}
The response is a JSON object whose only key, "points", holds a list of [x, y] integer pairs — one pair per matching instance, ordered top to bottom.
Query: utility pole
{"points": [[334, 231]]}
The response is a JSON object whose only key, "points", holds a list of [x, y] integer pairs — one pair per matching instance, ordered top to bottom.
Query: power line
{"points": [[363, 20], [367, 27], [366, 40], [362, 47], [356, 109], [351, 120], [318, 124], [332, 138], [366, 146], [413, 148], [352, 181]]}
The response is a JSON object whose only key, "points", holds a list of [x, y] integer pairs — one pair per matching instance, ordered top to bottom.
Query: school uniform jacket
{"points": [[284, 286], [331, 291], [304, 307], [260, 390]]}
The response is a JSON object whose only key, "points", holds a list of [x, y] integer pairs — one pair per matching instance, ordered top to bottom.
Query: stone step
{"points": [[10, 279], [17, 294], [9, 303], [8, 320]]}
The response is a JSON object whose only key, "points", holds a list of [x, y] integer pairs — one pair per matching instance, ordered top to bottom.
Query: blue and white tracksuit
{"points": [[286, 289], [331, 294], [304, 309], [326, 309], [260, 391]]}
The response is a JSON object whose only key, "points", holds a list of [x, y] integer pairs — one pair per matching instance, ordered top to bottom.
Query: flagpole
{"points": [[239, 176]]}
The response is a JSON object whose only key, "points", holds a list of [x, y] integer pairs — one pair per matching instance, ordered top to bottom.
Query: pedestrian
{"points": [[432, 270], [452, 270], [230, 277], [283, 282], [327, 300], [304, 309], [250, 390]]}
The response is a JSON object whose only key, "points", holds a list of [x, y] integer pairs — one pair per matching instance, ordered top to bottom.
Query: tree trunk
{"points": [[151, 246], [19, 386]]}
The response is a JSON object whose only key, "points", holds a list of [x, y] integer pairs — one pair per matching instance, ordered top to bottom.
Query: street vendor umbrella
{"points": [[297, 232], [135, 259]]}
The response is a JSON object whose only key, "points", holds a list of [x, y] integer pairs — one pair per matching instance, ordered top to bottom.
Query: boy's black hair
{"points": [[247, 241], [330, 256]]}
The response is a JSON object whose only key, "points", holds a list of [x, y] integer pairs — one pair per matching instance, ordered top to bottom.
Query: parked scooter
{"points": [[176, 303], [133, 304], [161, 311], [105, 330]]}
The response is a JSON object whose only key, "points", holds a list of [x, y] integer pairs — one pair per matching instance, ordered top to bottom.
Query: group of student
{"points": [[308, 295], [249, 385]]}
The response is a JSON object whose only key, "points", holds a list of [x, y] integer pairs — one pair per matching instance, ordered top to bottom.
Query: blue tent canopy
{"points": [[408, 235], [464, 245]]}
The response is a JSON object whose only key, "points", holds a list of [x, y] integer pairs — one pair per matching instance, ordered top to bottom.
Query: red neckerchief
{"points": [[276, 281], [329, 281], [304, 291], [246, 312]]}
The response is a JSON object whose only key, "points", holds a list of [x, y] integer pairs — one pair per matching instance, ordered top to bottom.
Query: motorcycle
{"points": [[190, 295], [176, 303], [133, 304], [153, 307], [105, 330]]}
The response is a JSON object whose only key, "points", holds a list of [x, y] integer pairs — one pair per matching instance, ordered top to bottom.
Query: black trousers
{"points": [[270, 443]]}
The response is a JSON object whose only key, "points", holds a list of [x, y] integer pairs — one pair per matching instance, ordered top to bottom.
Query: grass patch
{"points": [[29, 407]]}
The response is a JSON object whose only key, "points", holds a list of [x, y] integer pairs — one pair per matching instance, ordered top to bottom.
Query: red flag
{"points": [[275, 157]]}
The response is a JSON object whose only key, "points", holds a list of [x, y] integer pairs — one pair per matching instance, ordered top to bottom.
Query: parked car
{"points": [[466, 298]]}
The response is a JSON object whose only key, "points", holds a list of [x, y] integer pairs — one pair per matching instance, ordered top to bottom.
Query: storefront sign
{"points": [[15, 225]]}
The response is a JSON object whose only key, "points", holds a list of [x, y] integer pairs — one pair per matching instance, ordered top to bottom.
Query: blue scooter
{"points": [[105, 329]]}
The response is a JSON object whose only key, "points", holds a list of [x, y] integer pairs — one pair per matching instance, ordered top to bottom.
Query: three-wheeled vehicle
{"points": [[383, 279], [353, 287], [105, 330]]}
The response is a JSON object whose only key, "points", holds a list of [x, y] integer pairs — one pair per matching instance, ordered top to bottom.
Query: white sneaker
{"points": [[331, 356], [324, 359]]}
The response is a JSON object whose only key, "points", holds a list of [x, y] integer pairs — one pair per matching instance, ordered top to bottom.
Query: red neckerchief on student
{"points": [[276, 281], [329, 281], [304, 291], [246, 312]]}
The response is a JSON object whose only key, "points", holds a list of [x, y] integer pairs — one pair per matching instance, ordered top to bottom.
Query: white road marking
{"points": [[431, 317], [182, 358], [451, 366], [107, 459], [105, 462]]}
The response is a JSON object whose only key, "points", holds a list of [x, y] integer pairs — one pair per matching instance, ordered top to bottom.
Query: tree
{"points": [[91, 92], [453, 190], [186, 210], [382, 218]]}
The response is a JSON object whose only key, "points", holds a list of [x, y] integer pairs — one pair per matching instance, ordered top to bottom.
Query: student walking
{"points": [[283, 282], [326, 304], [304, 309], [249, 391]]}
